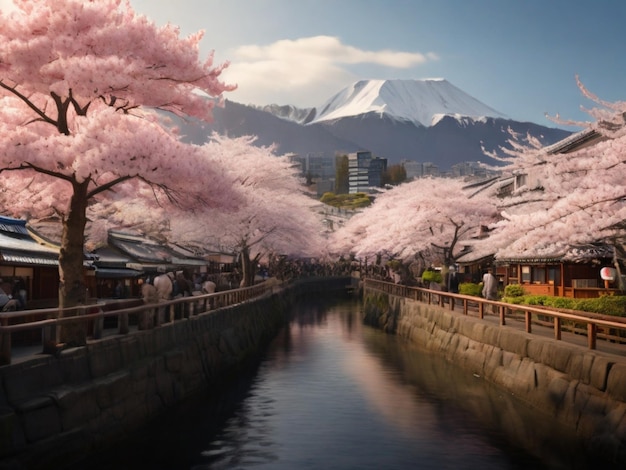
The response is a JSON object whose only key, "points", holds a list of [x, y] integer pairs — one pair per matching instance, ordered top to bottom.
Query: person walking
{"points": [[453, 280], [490, 285], [150, 296]]}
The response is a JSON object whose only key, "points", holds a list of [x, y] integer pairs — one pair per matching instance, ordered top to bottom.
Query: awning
{"points": [[30, 259], [188, 262], [159, 268], [117, 273]]}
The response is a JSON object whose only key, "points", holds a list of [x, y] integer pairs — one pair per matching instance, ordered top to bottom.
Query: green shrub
{"points": [[329, 198], [347, 201], [394, 264], [431, 276], [470, 288], [514, 290], [535, 299], [560, 302], [607, 304]]}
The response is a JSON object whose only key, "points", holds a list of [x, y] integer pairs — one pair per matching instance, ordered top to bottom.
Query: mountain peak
{"points": [[423, 102]]}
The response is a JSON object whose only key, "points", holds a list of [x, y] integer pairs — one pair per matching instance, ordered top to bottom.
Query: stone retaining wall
{"points": [[582, 389], [54, 410]]}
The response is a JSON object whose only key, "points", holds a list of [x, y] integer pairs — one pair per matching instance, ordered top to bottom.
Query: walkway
{"points": [[590, 324], [602, 346]]}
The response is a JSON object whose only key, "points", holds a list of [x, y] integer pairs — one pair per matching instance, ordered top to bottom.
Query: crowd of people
{"points": [[183, 283], [17, 299]]}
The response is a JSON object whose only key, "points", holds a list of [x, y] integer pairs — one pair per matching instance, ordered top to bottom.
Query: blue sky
{"points": [[518, 56]]}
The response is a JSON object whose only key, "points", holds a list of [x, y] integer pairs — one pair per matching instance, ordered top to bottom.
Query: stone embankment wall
{"points": [[584, 390], [56, 409]]}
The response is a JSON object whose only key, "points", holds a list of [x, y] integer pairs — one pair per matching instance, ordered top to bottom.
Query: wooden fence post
{"points": [[557, 328], [592, 330], [5, 349]]}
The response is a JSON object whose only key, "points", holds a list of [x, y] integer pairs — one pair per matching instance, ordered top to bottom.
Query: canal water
{"points": [[331, 393]]}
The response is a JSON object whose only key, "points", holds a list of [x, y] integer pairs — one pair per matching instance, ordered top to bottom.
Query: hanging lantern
{"points": [[608, 274]]}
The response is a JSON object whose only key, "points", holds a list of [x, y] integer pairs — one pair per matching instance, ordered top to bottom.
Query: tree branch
{"points": [[29, 103], [30, 166], [109, 185]]}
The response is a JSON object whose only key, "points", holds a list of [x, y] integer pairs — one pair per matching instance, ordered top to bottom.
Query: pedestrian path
{"points": [[602, 346]]}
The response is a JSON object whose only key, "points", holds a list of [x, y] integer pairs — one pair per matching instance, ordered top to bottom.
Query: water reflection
{"points": [[333, 394], [338, 401]]}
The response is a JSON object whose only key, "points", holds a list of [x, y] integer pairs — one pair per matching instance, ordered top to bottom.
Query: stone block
{"points": [[466, 328], [491, 335], [513, 341], [229, 342], [534, 348], [129, 349], [556, 355], [104, 358], [473, 359], [494, 360], [174, 361], [576, 365], [74, 366], [598, 371], [515, 375], [29, 379], [616, 382], [164, 386], [113, 388], [557, 390], [76, 405], [40, 419], [11, 433], [57, 451]]}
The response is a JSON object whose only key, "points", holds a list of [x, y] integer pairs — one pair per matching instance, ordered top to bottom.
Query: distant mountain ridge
{"points": [[289, 112], [423, 120]]}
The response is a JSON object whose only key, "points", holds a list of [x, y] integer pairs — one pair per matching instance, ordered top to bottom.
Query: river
{"points": [[331, 393]]}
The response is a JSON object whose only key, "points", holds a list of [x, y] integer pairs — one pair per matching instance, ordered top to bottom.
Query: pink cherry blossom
{"points": [[79, 86], [567, 197], [276, 216], [420, 218]]}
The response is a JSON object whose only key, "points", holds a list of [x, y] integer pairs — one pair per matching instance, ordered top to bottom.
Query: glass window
{"points": [[525, 273], [539, 275], [554, 276]]}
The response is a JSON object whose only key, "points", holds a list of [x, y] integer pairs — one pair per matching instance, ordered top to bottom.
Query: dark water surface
{"points": [[331, 393]]}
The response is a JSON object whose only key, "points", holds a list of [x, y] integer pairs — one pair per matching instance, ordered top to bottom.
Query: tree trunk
{"points": [[248, 268], [72, 289]]}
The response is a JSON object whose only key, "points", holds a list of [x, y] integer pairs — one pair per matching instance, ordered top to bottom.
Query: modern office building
{"points": [[365, 172]]}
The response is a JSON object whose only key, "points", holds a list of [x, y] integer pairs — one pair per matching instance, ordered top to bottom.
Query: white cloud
{"points": [[306, 71]]}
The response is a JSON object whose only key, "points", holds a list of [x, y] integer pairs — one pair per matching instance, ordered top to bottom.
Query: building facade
{"points": [[365, 172]]}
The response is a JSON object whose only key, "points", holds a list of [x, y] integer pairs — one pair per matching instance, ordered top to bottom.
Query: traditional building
{"points": [[36, 263], [575, 271]]}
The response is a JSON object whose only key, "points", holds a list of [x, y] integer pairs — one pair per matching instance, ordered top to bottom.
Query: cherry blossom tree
{"points": [[79, 83], [571, 193], [276, 217], [427, 217]]}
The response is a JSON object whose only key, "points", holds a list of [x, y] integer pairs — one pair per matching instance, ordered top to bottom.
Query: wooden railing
{"points": [[44, 323], [594, 326]]}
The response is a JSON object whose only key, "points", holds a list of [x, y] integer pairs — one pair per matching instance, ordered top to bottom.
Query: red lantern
{"points": [[608, 274]]}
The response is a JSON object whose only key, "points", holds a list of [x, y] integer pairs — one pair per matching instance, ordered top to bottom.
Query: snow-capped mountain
{"points": [[423, 102], [422, 120]]}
